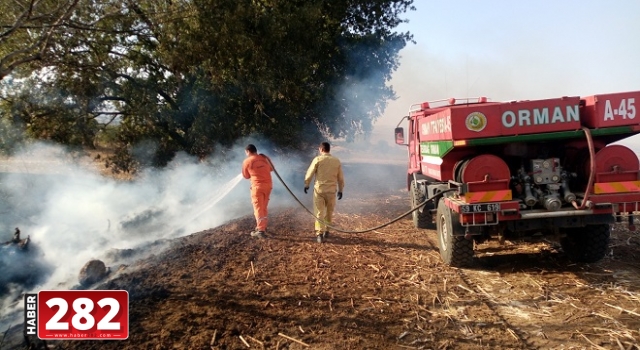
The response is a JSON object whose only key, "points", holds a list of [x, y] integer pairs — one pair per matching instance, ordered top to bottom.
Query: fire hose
{"points": [[592, 171], [585, 202], [417, 207]]}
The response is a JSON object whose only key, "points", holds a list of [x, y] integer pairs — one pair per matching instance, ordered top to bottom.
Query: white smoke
{"points": [[73, 214]]}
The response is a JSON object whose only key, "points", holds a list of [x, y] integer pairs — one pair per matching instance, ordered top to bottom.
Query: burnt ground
{"points": [[386, 289]]}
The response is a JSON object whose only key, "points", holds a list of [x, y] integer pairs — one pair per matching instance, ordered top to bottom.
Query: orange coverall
{"points": [[258, 169]]}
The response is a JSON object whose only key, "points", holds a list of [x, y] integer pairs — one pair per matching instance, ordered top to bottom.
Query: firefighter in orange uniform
{"points": [[257, 168], [327, 170]]}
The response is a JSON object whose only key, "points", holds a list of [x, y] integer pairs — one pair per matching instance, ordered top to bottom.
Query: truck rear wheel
{"points": [[424, 219], [586, 244], [455, 249]]}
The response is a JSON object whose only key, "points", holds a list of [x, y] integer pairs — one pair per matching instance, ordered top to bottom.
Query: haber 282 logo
{"points": [[77, 314]]}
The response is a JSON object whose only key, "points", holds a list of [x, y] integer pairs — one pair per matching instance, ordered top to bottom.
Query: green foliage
{"points": [[28, 28], [197, 75], [55, 116]]}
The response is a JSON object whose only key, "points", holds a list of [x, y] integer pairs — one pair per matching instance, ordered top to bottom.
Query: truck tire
{"points": [[424, 219], [587, 244], [455, 249]]}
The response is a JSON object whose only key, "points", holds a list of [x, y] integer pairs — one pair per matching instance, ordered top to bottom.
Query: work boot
{"points": [[257, 234], [325, 234], [319, 238]]}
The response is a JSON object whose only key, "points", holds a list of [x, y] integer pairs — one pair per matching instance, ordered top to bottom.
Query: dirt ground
{"points": [[385, 289]]}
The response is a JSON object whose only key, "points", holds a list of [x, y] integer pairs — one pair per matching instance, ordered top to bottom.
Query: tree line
{"points": [[194, 75]]}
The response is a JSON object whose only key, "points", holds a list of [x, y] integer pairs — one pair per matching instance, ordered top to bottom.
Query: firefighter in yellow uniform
{"points": [[327, 170]]}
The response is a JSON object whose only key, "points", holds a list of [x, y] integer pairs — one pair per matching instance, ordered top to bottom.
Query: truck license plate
{"points": [[480, 208]]}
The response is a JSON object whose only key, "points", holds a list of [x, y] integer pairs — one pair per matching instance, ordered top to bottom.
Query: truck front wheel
{"points": [[420, 220], [586, 244], [455, 249]]}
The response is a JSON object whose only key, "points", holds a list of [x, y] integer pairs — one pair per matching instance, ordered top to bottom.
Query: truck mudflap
{"points": [[487, 214]]}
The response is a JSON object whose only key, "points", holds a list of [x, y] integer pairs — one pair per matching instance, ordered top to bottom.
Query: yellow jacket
{"points": [[328, 172]]}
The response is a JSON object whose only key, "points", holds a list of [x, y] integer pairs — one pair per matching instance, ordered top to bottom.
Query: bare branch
{"points": [[66, 14], [21, 19], [145, 19], [41, 44], [164, 95], [112, 98], [97, 113], [113, 117]]}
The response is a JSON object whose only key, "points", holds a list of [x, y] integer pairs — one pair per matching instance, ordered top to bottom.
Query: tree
{"points": [[29, 28], [196, 75]]}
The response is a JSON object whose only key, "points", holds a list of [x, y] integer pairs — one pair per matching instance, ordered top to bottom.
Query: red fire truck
{"points": [[482, 170]]}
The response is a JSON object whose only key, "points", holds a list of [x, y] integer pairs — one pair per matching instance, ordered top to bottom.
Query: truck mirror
{"points": [[399, 136]]}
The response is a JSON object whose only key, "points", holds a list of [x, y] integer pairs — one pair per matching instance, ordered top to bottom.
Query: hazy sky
{"points": [[511, 50]]}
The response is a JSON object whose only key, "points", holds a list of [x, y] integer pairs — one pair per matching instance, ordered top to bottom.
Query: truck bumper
{"points": [[603, 209]]}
